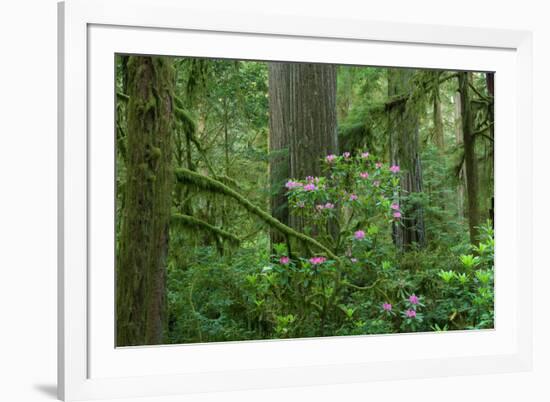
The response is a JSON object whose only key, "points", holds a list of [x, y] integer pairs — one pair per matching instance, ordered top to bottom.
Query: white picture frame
{"points": [[90, 367]]}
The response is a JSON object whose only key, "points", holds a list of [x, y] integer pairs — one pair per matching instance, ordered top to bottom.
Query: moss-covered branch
{"points": [[424, 86], [122, 97], [484, 98], [185, 118], [190, 127], [482, 130], [206, 183], [192, 222]]}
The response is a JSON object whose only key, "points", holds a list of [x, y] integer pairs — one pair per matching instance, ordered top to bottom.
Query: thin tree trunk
{"points": [[490, 79], [438, 117], [403, 128], [459, 137], [469, 155], [224, 211], [143, 248]]}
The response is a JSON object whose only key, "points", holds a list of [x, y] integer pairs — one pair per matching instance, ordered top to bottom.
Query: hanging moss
{"points": [[185, 118], [354, 136], [197, 224]]}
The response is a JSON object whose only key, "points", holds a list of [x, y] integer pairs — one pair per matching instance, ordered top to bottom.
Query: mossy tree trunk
{"points": [[490, 80], [403, 126], [459, 141], [470, 160], [143, 246]]}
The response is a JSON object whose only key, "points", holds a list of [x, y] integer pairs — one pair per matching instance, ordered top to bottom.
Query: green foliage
{"points": [[466, 293], [253, 295]]}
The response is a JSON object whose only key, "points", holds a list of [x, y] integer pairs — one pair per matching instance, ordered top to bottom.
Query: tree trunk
{"points": [[490, 79], [302, 107], [438, 117], [312, 120], [403, 128], [459, 140], [279, 158], [470, 160], [143, 245]]}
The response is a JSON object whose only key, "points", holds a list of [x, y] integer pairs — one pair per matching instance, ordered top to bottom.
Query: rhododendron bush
{"points": [[356, 195]]}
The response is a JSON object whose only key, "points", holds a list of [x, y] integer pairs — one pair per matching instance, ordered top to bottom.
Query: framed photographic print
{"points": [[255, 201]]}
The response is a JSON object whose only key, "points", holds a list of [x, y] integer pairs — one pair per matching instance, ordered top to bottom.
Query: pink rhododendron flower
{"points": [[346, 155], [365, 155], [330, 158], [378, 165], [394, 169], [364, 175], [309, 179], [376, 183], [292, 184], [310, 187], [353, 197], [329, 205], [395, 206], [319, 207], [397, 215], [359, 235], [284, 260], [317, 260], [413, 299], [386, 306], [410, 313]]}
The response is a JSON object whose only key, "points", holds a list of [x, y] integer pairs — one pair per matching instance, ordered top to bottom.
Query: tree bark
{"points": [[490, 80], [302, 119], [312, 120], [313, 128], [403, 128], [439, 139], [459, 140], [279, 158], [470, 160], [143, 242]]}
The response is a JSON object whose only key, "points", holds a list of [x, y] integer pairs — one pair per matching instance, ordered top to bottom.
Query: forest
{"points": [[269, 200]]}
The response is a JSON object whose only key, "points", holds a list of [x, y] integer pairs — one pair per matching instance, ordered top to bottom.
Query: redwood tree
{"points": [[303, 118], [312, 120], [403, 126], [439, 139], [459, 142], [279, 158], [470, 160], [143, 240]]}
